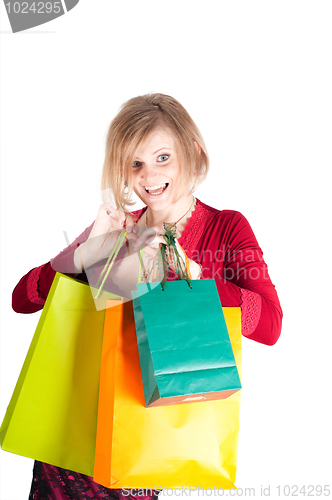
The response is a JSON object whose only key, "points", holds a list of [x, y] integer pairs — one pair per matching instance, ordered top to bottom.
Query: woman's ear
{"points": [[199, 149]]}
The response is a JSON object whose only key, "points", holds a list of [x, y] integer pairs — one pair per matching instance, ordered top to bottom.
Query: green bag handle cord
{"points": [[110, 262], [165, 262], [180, 267], [140, 271], [139, 280]]}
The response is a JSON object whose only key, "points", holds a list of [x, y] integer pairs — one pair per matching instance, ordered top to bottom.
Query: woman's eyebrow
{"points": [[161, 149]]}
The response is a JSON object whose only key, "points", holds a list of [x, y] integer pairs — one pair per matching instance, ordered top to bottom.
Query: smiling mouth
{"points": [[157, 189]]}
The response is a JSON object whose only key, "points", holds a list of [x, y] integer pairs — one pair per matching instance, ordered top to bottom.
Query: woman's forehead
{"points": [[160, 137]]}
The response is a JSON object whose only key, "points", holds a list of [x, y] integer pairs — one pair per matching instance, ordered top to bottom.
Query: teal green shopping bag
{"points": [[184, 347], [52, 415]]}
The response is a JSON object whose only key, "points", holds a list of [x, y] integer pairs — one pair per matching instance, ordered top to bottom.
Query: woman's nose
{"points": [[150, 172]]}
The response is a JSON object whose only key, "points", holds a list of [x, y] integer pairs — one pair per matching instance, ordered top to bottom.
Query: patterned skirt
{"points": [[53, 483]]}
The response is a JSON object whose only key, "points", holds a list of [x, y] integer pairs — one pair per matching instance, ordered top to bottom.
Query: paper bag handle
{"points": [[110, 262]]}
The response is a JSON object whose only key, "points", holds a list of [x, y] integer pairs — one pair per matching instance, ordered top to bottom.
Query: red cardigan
{"points": [[222, 242]]}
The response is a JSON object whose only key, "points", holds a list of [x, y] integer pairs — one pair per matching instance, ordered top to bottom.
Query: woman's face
{"points": [[156, 170]]}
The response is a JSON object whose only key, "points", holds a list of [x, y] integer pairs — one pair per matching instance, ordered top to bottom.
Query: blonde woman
{"points": [[155, 149]]}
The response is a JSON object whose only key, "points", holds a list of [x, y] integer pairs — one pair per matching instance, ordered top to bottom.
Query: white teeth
{"points": [[154, 188]]}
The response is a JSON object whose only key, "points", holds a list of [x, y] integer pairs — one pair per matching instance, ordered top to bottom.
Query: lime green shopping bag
{"points": [[52, 415]]}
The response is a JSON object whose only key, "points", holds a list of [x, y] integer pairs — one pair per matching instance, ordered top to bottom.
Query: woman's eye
{"points": [[163, 157], [137, 164]]}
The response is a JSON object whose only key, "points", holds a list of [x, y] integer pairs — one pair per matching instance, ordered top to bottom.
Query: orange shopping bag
{"points": [[166, 446]]}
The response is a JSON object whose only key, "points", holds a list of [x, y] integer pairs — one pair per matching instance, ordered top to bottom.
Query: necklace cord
{"points": [[175, 223]]}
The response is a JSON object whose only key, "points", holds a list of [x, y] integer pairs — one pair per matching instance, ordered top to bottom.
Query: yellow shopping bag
{"points": [[167, 446]]}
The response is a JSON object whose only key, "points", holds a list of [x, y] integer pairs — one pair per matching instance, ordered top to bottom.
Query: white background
{"points": [[256, 77]]}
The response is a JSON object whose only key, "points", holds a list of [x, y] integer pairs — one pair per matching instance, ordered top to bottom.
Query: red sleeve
{"points": [[235, 260], [31, 291]]}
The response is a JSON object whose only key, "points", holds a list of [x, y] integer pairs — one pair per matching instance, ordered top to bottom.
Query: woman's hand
{"points": [[107, 227], [151, 241], [195, 269]]}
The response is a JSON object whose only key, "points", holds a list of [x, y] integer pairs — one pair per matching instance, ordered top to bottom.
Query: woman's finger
{"points": [[107, 208], [116, 214], [122, 217], [118, 218], [130, 225], [147, 235], [155, 242]]}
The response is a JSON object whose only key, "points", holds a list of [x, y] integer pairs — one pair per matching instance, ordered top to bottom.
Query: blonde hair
{"points": [[132, 126]]}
